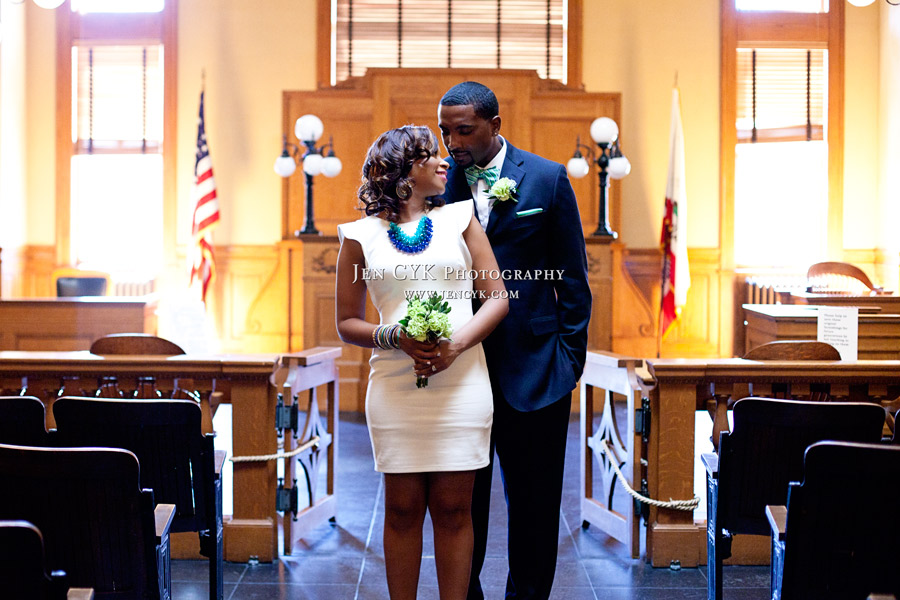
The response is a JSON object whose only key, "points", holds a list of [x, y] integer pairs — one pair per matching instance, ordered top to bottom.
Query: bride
{"points": [[428, 442]]}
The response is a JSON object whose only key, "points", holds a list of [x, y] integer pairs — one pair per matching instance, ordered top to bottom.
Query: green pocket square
{"points": [[528, 213]]}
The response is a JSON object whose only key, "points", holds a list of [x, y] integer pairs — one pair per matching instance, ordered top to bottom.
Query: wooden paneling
{"points": [[358, 110], [602, 255], [33, 278], [636, 302], [249, 304], [701, 329]]}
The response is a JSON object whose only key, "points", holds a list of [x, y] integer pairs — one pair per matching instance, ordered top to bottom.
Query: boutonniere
{"points": [[503, 190]]}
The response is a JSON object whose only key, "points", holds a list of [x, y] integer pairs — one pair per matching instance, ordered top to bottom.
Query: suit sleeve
{"points": [[572, 290]]}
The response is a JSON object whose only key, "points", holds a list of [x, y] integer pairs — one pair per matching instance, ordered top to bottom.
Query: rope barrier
{"points": [[314, 441], [673, 504]]}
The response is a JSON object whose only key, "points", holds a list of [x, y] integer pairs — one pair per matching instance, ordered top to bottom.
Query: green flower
{"points": [[503, 190], [439, 323], [417, 327]]}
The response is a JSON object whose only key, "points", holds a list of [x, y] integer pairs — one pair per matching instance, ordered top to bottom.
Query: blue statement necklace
{"points": [[415, 243]]}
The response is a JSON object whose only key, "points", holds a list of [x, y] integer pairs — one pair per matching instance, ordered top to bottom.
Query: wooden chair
{"points": [[839, 278], [69, 282], [135, 343], [143, 343], [778, 350], [793, 350], [22, 421], [758, 459], [178, 461], [98, 525], [838, 537], [23, 574]]}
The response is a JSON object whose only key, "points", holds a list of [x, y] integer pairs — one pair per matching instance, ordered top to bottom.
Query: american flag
{"points": [[206, 211]]}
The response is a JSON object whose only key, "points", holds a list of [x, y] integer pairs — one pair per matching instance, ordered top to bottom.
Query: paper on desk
{"points": [[839, 326]]}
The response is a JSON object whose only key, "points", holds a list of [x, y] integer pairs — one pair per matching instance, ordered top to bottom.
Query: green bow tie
{"points": [[490, 175]]}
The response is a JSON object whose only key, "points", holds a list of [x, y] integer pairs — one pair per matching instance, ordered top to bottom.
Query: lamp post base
{"points": [[308, 230], [604, 231]]}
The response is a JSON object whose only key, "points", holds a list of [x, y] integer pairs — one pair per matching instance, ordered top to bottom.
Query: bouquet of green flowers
{"points": [[426, 321]]}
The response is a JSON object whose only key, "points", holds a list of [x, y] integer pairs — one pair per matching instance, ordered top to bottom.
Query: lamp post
{"points": [[308, 129], [608, 158]]}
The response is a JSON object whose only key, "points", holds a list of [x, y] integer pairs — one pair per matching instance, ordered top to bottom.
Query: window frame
{"points": [[123, 28], [761, 28], [574, 38]]}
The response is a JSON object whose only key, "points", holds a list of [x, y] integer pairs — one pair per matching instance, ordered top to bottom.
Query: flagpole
{"points": [[659, 332]]}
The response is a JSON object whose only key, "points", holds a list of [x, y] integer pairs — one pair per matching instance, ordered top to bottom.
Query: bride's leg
{"points": [[450, 504], [404, 514]]}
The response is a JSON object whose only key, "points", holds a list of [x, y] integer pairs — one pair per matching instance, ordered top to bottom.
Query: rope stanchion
{"points": [[314, 441], [673, 504]]}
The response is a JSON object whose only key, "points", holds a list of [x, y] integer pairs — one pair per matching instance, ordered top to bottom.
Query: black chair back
{"points": [[67, 287], [22, 421], [764, 452], [177, 460], [98, 525], [843, 537], [23, 575]]}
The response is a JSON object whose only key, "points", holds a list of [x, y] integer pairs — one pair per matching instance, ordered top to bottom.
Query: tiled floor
{"points": [[346, 561]]}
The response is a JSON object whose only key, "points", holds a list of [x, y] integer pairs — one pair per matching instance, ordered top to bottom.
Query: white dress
{"points": [[445, 426]]}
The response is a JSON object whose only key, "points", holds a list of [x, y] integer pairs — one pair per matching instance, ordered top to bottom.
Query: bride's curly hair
{"points": [[385, 174]]}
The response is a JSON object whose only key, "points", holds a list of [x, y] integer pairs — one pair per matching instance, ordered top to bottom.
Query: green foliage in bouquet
{"points": [[426, 321]]}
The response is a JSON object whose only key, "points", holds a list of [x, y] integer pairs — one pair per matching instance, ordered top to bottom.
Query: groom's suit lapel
{"points": [[504, 212]]}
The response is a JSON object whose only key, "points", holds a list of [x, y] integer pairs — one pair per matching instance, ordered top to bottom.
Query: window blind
{"points": [[800, 6], [504, 34], [781, 94], [118, 99]]}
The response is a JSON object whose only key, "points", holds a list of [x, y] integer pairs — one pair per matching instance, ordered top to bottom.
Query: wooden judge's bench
{"points": [[72, 323]]}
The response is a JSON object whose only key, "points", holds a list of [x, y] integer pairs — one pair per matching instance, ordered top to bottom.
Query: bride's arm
{"points": [[350, 296], [350, 305], [492, 309]]}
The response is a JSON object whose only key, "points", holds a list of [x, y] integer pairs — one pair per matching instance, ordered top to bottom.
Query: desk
{"points": [[888, 304], [65, 324], [879, 334], [254, 382]]}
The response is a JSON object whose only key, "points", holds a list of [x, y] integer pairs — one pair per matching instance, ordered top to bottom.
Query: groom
{"points": [[537, 353]]}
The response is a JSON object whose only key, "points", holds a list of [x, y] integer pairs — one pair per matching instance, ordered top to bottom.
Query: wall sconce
{"points": [[308, 129], [609, 159]]}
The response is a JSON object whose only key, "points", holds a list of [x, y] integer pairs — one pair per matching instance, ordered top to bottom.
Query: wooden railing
{"points": [[252, 384], [673, 390]]}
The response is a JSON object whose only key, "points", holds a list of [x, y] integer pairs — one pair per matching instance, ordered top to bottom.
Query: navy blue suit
{"points": [[535, 357]]}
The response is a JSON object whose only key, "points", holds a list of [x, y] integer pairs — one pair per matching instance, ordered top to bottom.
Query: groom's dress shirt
{"points": [[480, 189]]}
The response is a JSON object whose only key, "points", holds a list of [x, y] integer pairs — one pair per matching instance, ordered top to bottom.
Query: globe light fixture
{"points": [[308, 129], [610, 160]]}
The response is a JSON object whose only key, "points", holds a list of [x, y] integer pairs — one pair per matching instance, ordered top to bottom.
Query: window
{"points": [[503, 34], [782, 132], [116, 168], [113, 196]]}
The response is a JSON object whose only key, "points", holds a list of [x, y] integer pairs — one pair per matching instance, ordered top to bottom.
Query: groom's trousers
{"points": [[531, 449]]}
